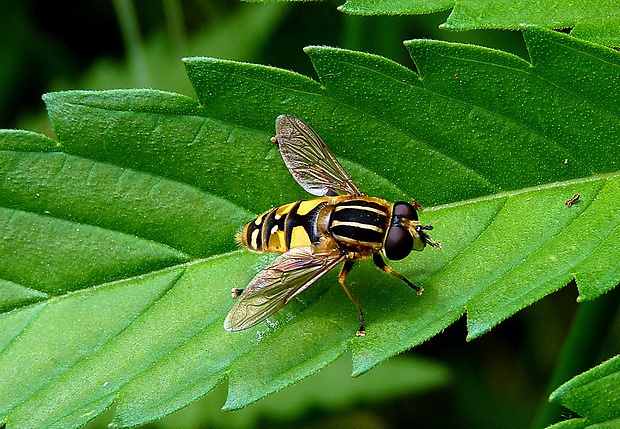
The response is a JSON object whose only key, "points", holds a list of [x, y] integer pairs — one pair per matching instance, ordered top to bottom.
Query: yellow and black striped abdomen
{"points": [[356, 223], [360, 223], [281, 228]]}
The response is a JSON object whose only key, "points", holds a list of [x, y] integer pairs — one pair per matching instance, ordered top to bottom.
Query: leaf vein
{"points": [[429, 144], [522, 191], [470, 245], [579, 259], [96, 350]]}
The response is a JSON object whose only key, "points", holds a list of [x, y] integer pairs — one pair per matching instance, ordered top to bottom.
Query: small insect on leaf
{"points": [[573, 200], [417, 205]]}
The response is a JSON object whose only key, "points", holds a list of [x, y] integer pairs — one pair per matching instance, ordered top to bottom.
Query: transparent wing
{"points": [[310, 161], [276, 285]]}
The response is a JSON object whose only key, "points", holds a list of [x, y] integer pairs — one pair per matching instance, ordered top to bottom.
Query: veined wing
{"points": [[310, 161], [281, 281]]}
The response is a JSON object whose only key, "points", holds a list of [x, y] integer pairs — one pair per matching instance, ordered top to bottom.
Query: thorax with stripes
{"points": [[359, 223]]}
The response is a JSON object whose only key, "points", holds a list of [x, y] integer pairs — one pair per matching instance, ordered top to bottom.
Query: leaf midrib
{"points": [[515, 192], [509, 194], [534, 251], [183, 269], [97, 350]]}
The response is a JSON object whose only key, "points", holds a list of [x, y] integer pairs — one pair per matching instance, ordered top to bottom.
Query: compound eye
{"points": [[405, 210], [398, 243]]}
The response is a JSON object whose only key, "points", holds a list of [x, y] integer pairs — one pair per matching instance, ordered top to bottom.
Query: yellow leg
{"points": [[379, 262], [341, 277]]}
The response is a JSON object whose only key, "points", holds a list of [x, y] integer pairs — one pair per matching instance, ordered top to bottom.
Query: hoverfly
{"points": [[314, 236]]}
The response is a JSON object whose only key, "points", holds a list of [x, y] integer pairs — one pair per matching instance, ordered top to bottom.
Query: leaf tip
{"points": [[311, 48], [476, 328], [232, 404], [113, 425]]}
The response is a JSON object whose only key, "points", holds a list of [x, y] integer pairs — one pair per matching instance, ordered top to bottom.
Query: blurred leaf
{"points": [[240, 36], [123, 231], [388, 381], [593, 395]]}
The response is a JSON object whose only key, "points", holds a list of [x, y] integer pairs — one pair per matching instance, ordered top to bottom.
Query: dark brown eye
{"points": [[405, 210], [398, 243]]}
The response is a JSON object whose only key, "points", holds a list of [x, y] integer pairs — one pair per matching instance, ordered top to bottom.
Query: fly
{"points": [[340, 226]]}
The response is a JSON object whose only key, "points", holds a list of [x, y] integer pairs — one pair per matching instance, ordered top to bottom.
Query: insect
{"points": [[573, 200], [342, 225]]}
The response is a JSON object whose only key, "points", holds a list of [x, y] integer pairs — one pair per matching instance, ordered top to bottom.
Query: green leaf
{"points": [[395, 7], [473, 14], [597, 21], [602, 30], [118, 252], [593, 395]]}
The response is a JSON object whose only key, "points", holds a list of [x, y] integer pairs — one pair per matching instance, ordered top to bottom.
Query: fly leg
{"points": [[379, 262], [341, 277]]}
